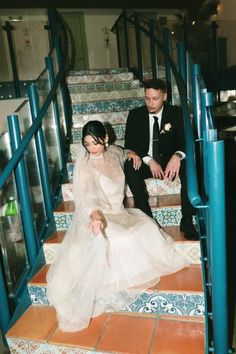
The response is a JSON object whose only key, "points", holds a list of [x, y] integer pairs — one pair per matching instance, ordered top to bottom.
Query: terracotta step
{"points": [[180, 293], [37, 332]]}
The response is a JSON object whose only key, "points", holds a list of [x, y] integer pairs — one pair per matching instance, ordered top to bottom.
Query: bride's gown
{"points": [[91, 275]]}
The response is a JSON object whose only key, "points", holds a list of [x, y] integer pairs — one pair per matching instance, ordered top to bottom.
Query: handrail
{"points": [[33, 130], [209, 155], [16, 162]]}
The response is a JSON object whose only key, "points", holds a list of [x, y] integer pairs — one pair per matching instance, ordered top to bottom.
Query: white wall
{"points": [[99, 55], [8, 107]]}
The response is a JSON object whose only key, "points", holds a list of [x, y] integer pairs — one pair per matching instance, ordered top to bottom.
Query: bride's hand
{"points": [[137, 162], [96, 226]]}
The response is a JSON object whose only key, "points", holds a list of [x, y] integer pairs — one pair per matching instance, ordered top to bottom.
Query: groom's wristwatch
{"points": [[179, 155]]}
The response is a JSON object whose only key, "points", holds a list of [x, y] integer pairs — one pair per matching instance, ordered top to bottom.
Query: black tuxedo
{"points": [[137, 139]]}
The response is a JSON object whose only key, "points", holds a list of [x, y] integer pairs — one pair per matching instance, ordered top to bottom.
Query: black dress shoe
{"points": [[190, 232]]}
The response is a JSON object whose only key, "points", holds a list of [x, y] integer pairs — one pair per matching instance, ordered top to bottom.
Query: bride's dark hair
{"points": [[96, 129]]}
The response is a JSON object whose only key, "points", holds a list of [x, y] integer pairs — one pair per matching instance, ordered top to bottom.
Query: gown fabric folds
{"points": [[94, 274]]}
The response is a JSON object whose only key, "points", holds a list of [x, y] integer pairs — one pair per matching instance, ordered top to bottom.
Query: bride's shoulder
{"points": [[116, 150]]}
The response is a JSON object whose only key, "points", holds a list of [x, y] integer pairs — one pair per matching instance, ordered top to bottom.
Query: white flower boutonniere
{"points": [[166, 129]]}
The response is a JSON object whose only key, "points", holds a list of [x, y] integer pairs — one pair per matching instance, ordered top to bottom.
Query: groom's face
{"points": [[154, 100]]}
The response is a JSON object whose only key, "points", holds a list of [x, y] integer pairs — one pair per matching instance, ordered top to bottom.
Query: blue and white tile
{"points": [[100, 71], [100, 78], [104, 86], [106, 95], [107, 106], [120, 117], [165, 216], [160, 302], [163, 303]]}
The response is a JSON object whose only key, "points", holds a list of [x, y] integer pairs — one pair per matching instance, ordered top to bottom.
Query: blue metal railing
{"points": [[204, 162], [17, 166]]}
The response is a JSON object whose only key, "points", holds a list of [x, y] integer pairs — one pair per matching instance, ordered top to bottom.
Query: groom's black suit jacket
{"points": [[137, 132]]}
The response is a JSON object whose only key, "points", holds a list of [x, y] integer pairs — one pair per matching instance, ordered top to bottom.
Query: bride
{"points": [[110, 254]]}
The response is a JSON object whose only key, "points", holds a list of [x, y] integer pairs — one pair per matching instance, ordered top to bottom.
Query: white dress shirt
{"points": [[148, 158]]}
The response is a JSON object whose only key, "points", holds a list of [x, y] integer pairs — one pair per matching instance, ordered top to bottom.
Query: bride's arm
{"points": [[98, 222]]}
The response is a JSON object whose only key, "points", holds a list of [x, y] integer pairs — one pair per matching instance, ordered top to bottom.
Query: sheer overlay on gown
{"points": [[91, 275]]}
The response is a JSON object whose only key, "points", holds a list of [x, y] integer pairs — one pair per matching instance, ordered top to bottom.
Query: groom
{"points": [[156, 133]]}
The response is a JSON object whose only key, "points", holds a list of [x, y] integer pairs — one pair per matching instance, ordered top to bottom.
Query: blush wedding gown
{"points": [[94, 274]]}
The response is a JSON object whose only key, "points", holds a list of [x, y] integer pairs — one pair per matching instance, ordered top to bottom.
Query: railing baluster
{"points": [[23, 192]]}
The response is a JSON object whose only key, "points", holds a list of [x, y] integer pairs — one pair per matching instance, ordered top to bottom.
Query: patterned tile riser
{"points": [[102, 71], [100, 78], [104, 86], [106, 95], [107, 106], [113, 118], [118, 130], [154, 187], [168, 216], [191, 250], [181, 304], [19, 346]]}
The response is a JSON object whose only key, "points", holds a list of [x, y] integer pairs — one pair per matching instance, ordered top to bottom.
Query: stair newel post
{"points": [[152, 27], [126, 39], [166, 42], [138, 47], [182, 60], [49, 66], [41, 153], [23, 191], [218, 246], [4, 305]]}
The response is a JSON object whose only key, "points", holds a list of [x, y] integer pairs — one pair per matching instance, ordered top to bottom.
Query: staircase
{"points": [[168, 318]]}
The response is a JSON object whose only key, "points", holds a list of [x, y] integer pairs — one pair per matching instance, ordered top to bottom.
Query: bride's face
{"points": [[92, 146]]}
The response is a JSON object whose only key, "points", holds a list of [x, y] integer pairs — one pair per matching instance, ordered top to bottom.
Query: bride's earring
{"points": [[106, 144]]}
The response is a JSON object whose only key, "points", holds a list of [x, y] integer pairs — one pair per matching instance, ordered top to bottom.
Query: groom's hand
{"points": [[172, 168], [156, 169]]}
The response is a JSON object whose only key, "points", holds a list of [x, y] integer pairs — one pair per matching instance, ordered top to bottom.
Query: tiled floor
{"points": [[115, 333]]}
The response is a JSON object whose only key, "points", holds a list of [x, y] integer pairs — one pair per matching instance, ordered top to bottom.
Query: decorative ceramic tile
{"points": [[101, 71], [99, 78], [104, 86], [106, 95], [107, 106], [113, 118], [117, 130], [70, 167], [154, 187], [159, 187], [168, 216], [63, 220], [191, 250], [50, 251], [38, 294], [169, 303], [174, 303], [18, 346], [59, 349]]}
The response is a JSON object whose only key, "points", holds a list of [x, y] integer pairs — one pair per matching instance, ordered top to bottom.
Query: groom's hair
{"points": [[156, 84]]}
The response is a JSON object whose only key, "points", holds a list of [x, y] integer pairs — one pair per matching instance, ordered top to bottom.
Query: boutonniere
{"points": [[166, 129]]}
